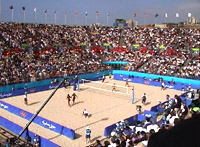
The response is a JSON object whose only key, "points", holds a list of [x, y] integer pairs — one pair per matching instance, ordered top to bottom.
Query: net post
{"points": [[83, 81]]}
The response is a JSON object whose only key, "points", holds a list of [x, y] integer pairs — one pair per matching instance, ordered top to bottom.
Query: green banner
{"points": [[83, 44], [106, 44], [25, 45], [56, 45], [135, 45], [162, 47], [195, 49]]}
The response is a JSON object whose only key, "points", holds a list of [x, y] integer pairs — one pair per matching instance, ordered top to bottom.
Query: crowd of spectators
{"points": [[108, 35], [39, 36], [176, 38], [176, 59], [164, 65], [24, 67], [191, 70], [161, 129]]}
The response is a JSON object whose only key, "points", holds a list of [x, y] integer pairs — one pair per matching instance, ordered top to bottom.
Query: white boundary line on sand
{"points": [[105, 89], [127, 91]]}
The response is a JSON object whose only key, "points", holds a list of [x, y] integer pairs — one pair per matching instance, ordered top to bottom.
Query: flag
{"points": [[11, 7], [23, 8], [35, 9], [45, 11], [54, 12], [76, 12], [97, 13], [86, 14], [145, 14], [189, 14], [134, 15], [156, 15], [166, 15], [177, 15]]}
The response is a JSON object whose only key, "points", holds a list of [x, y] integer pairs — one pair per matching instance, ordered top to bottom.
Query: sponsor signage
{"points": [[146, 82], [5, 95], [4, 106], [23, 114], [48, 125]]}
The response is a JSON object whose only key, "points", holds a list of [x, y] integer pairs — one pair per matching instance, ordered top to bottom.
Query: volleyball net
{"points": [[105, 86]]}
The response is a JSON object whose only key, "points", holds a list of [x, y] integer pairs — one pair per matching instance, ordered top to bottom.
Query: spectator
{"points": [[85, 113], [87, 134], [36, 140]]}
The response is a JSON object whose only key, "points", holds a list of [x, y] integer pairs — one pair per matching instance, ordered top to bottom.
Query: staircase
{"points": [[121, 37], [149, 60], [184, 64]]}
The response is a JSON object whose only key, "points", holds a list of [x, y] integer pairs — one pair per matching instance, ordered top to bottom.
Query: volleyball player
{"points": [[114, 87]]}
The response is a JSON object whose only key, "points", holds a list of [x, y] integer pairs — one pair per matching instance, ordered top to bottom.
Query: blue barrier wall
{"points": [[148, 79], [8, 88], [28, 90], [6, 91], [39, 120], [131, 120], [9, 125]]}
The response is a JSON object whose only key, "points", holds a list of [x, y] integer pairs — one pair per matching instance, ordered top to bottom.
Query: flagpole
{"points": [[0, 10], [76, 13], [97, 13], [12, 14], [24, 15], [35, 15], [46, 16], [177, 16], [55, 18], [107, 18], [166, 18], [65, 19], [75, 19], [86, 20]]}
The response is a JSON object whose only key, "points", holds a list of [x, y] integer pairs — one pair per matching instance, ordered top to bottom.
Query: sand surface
{"points": [[104, 106]]}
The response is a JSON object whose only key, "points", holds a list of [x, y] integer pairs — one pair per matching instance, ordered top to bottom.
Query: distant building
{"points": [[192, 20], [120, 22], [131, 23], [96, 24], [160, 25]]}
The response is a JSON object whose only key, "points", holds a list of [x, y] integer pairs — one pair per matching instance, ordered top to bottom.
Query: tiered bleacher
{"points": [[33, 52], [159, 126]]}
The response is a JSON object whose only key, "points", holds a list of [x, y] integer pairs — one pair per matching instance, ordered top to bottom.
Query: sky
{"points": [[117, 9]]}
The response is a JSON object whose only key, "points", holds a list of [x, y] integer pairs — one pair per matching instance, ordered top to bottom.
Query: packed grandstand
{"points": [[42, 51], [32, 52]]}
